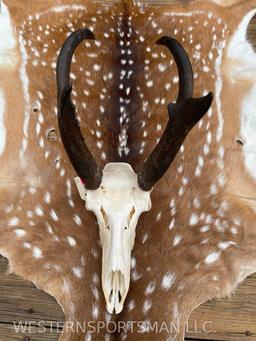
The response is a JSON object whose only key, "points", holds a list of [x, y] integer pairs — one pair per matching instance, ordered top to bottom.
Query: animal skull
{"points": [[117, 204]]}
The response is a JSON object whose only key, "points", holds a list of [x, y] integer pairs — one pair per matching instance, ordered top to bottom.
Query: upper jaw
{"points": [[115, 289]]}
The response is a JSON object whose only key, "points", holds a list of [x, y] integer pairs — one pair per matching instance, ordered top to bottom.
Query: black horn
{"points": [[183, 115], [78, 153]]}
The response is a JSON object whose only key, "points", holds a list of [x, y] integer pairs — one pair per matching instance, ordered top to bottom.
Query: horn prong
{"points": [[183, 115]]}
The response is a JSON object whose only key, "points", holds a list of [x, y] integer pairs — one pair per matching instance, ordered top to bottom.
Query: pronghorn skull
{"points": [[116, 194], [117, 204]]}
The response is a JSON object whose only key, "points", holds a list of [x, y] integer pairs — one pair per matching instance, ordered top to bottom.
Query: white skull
{"points": [[117, 204]]}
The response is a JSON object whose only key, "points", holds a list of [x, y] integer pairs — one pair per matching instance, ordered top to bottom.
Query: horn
{"points": [[183, 115], [73, 141]]}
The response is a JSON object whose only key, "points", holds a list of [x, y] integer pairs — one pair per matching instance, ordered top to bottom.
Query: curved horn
{"points": [[183, 115], [78, 153]]}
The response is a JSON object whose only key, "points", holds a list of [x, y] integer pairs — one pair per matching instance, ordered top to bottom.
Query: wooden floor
{"points": [[20, 301]]}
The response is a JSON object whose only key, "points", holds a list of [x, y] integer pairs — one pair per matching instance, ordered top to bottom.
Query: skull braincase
{"points": [[117, 204]]}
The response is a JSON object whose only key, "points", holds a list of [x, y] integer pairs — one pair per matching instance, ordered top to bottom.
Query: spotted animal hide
{"points": [[199, 239]]}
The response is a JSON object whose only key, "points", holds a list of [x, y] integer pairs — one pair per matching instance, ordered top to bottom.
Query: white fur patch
{"points": [[68, 7], [241, 51], [8, 58], [244, 68], [25, 88], [218, 90], [247, 130], [13, 221], [20, 233], [71, 240], [225, 245], [37, 253], [212, 257], [77, 271], [168, 280]]}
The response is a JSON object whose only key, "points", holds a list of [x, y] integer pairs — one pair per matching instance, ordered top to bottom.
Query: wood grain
{"points": [[21, 301], [229, 319], [8, 334]]}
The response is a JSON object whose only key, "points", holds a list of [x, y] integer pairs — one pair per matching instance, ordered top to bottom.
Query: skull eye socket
{"points": [[130, 216], [105, 217]]}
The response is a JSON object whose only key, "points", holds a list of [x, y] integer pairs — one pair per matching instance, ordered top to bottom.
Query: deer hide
{"points": [[198, 241]]}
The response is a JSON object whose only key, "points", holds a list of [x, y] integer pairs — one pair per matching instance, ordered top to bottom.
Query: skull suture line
{"points": [[116, 194]]}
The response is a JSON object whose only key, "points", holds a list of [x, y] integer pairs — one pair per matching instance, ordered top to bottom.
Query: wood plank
{"points": [[20, 302], [230, 319], [8, 333], [195, 339]]}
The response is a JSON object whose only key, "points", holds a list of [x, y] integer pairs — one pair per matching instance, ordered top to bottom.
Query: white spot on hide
{"points": [[54, 216], [77, 219], [193, 219], [13, 221], [20, 233], [177, 239], [71, 240], [225, 245], [37, 253], [212, 257], [77, 271], [168, 280], [150, 288], [146, 306]]}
